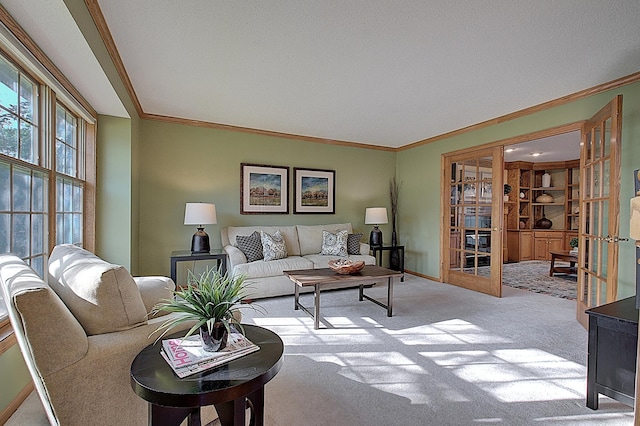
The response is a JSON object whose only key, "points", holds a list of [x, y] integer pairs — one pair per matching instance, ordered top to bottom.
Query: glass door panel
{"points": [[472, 243]]}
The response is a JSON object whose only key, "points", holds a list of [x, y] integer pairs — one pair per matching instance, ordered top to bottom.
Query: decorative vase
{"points": [[546, 180], [522, 195], [505, 198], [544, 198], [543, 223], [522, 224], [394, 254], [216, 340]]}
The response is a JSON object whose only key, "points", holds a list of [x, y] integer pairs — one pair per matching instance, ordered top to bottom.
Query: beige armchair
{"points": [[80, 333]]}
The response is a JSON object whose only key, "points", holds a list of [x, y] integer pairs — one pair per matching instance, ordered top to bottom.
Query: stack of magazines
{"points": [[186, 356]]}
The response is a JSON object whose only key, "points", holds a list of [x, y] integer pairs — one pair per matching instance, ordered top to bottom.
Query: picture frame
{"points": [[264, 189], [314, 191]]}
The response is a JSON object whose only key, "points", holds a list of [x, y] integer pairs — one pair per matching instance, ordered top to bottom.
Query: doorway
{"points": [[598, 203], [541, 217]]}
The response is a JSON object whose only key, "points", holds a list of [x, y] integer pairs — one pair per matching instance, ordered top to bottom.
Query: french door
{"points": [[472, 200], [599, 209]]}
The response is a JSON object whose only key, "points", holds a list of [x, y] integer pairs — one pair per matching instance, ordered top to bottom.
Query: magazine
{"points": [[186, 356]]}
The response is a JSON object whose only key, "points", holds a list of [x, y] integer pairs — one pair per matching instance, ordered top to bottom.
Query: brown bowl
{"points": [[346, 267]]}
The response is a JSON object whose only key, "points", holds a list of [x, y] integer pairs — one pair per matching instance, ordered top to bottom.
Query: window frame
{"points": [[53, 88]]}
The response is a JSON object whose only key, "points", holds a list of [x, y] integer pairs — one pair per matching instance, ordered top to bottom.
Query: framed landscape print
{"points": [[264, 189], [314, 191]]}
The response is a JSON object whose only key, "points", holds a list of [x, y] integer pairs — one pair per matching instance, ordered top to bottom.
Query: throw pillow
{"points": [[353, 243], [334, 244], [251, 246], [273, 246]]}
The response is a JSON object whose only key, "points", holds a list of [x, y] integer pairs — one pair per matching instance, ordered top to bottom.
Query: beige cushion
{"points": [[310, 236], [102, 296]]}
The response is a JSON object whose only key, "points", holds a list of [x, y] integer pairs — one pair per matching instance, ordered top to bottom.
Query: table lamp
{"points": [[200, 214], [375, 216]]}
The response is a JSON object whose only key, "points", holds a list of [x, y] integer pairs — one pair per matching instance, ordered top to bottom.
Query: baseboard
{"points": [[427, 277], [16, 403]]}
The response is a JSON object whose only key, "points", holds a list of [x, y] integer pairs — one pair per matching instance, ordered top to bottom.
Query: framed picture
{"points": [[264, 189], [314, 191]]}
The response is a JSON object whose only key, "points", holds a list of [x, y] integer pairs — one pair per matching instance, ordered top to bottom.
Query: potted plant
{"points": [[507, 190], [573, 243], [210, 300]]}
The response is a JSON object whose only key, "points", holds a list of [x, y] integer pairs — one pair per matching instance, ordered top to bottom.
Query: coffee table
{"points": [[567, 256], [326, 278], [231, 387]]}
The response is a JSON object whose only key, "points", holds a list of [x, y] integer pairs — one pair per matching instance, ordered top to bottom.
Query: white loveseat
{"points": [[303, 243]]}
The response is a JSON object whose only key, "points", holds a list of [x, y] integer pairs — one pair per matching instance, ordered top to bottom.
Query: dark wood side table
{"points": [[378, 250], [219, 255], [567, 256], [611, 361], [230, 388]]}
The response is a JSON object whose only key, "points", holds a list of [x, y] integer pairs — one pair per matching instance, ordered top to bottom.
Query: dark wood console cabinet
{"points": [[611, 362]]}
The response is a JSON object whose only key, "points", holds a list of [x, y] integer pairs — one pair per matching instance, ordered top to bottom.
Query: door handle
{"points": [[610, 239]]}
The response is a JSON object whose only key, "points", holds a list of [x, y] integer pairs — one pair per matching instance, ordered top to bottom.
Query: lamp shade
{"points": [[200, 214], [375, 216]]}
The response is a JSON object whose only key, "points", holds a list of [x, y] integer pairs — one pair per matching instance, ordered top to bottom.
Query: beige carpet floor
{"points": [[448, 356]]}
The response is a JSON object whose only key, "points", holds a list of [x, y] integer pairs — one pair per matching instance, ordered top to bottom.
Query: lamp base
{"points": [[375, 238], [200, 242]]}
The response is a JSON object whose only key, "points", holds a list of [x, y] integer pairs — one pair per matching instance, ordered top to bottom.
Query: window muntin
{"points": [[18, 114], [28, 197]]}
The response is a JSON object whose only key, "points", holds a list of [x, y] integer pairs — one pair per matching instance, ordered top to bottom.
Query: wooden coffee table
{"points": [[567, 257], [326, 278]]}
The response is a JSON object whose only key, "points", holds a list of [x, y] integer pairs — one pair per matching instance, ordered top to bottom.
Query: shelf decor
{"points": [[544, 198]]}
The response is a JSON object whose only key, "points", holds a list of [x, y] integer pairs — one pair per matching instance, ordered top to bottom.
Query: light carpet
{"points": [[448, 356]]}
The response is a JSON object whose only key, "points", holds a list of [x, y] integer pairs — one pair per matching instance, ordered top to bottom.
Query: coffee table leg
{"points": [[553, 262], [390, 297], [296, 298], [316, 308], [160, 415]]}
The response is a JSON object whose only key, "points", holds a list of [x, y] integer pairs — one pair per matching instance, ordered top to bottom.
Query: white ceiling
{"points": [[383, 72]]}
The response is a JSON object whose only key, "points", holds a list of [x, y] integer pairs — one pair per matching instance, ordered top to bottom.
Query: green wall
{"points": [[180, 163], [419, 170], [15, 375]]}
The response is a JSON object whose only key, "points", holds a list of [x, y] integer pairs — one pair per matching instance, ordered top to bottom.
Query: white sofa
{"points": [[304, 244]]}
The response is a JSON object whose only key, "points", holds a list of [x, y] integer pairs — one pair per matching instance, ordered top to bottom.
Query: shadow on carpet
{"points": [[534, 276]]}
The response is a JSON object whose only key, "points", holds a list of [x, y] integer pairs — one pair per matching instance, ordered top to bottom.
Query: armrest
{"points": [[364, 248], [236, 256], [154, 289]]}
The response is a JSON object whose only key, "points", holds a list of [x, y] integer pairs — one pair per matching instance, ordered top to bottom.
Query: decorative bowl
{"points": [[544, 198], [345, 266]]}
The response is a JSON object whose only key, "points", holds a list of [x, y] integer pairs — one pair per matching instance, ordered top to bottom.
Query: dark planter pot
{"points": [[216, 340]]}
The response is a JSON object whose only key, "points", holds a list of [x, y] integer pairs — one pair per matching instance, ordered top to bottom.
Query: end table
{"points": [[378, 250], [219, 255]]}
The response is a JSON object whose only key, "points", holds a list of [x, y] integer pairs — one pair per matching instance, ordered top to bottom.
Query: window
{"points": [[42, 177]]}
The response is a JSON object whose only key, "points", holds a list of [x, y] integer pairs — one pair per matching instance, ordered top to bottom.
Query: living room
{"points": [[150, 166]]}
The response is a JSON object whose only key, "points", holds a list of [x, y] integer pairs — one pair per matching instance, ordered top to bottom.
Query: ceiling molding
{"points": [[105, 34], [33, 48], [623, 81], [198, 123]]}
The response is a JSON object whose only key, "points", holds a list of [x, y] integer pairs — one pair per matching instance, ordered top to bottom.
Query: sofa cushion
{"points": [[289, 233], [310, 236], [353, 243], [334, 244], [251, 246], [273, 246], [322, 261], [270, 269], [102, 296]]}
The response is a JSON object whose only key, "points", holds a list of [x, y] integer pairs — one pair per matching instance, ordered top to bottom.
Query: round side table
{"points": [[230, 387]]}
